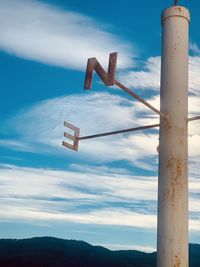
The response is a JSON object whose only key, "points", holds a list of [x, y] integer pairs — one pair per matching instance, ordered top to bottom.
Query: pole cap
{"points": [[175, 11]]}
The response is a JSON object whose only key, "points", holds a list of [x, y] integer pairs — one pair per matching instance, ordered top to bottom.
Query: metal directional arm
{"points": [[108, 79], [130, 92], [194, 118], [119, 132], [76, 138]]}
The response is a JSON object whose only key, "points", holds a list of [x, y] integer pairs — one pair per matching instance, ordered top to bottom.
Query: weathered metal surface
{"points": [[175, 11], [93, 65], [130, 92], [194, 118], [119, 131], [74, 137], [172, 234]]}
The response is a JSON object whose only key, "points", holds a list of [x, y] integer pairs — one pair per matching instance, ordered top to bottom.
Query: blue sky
{"points": [[105, 194]]}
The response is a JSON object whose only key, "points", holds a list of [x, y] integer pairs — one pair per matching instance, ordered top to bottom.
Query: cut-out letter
{"points": [[93, 65], [73, 138]]}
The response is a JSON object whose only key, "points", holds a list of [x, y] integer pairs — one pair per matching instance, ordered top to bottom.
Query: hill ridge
{"points": [[50, 251]]}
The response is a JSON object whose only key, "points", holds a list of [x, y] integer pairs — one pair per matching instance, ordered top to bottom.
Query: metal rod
{"points": [[130, 92], [194, 118], [118, 132], [172, 234]]}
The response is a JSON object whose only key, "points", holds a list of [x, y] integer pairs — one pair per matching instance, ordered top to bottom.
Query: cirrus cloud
{"points": [[36, 31]]}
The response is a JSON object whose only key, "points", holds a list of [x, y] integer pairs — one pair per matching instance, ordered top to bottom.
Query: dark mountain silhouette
{"points": [[54, 252]]}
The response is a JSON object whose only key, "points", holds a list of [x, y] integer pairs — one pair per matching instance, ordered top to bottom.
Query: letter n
{"points": [[108, 78]]}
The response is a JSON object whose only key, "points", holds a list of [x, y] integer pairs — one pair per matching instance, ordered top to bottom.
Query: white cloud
{"points": [[36, 31], [41, 32], [194, 48], [149, 76], [194, 78], [149, 79], [42, 126], [16, 144], [23, 182], [39, 194], [51, 195], [100, 217]]}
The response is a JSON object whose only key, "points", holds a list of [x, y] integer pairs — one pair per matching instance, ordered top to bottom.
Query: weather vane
{"points": [[109, 79], [172, 232]]}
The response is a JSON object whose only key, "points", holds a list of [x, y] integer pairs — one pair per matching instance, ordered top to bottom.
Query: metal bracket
{"points": [[74, 138]]}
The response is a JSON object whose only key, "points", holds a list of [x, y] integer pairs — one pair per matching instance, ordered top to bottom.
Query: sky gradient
{"points": [[105, 194]]}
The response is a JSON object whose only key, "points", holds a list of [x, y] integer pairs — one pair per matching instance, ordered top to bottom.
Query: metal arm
{"points": [[108, 79], [130, 92], [194, 118], [119, 132], [76, 138]]}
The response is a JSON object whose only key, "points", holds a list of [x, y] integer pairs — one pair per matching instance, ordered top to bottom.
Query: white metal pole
{"points": [[172, 237]]}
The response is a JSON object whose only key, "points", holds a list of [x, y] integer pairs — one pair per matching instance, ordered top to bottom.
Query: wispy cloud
{"points": [[33, 30], [194, 48], [148, 77], [194, 79], [42, 126], [89, 185], [39, 194], [104, 199]]}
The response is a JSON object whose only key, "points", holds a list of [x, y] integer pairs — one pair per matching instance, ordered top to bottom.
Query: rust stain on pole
{"points": [[176, 167], [177, 261]]}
